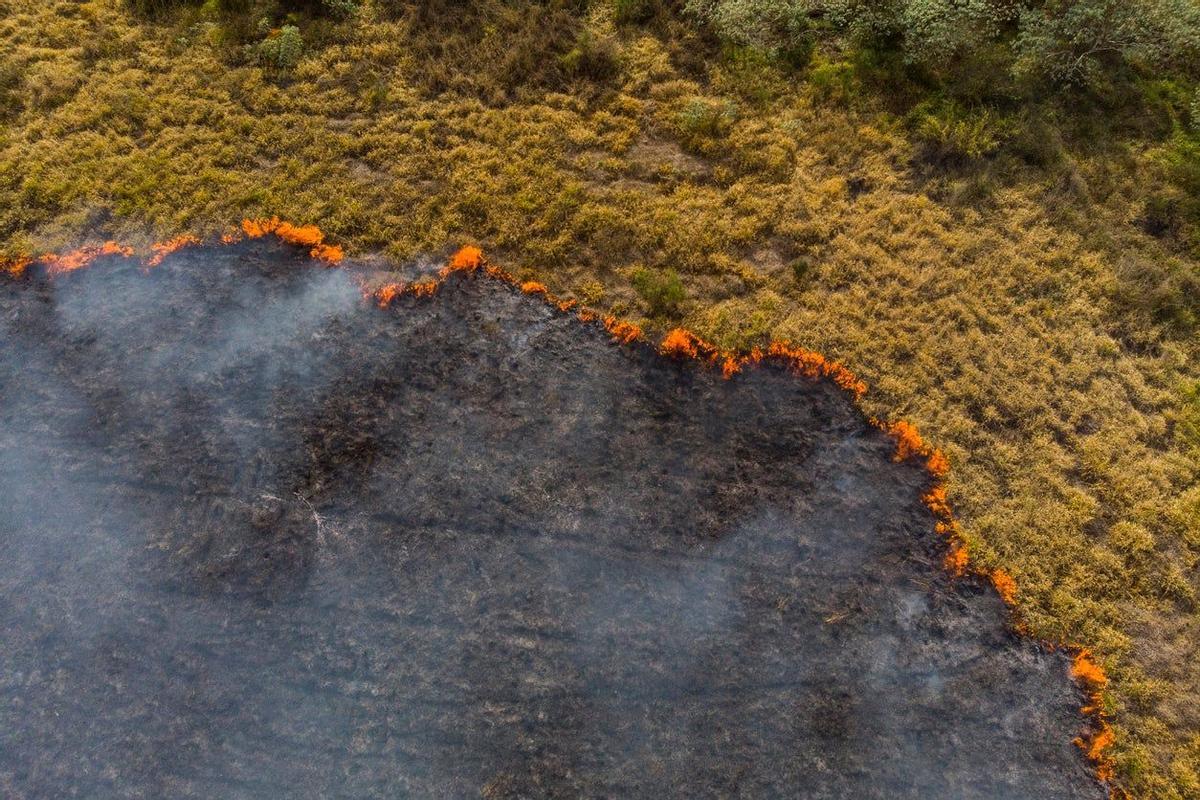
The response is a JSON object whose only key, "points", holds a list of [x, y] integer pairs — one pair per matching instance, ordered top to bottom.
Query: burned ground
{"points": [[264, 539]]}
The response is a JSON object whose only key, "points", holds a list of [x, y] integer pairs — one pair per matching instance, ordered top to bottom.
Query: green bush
{"points": [[341, 9], [778, 27], [1066, 41], [1083, 41], [283, 48], [832, 81], [702, 121], [949, 132], [1036, 141], [1182, 161], [800, 269], [662, 291]]}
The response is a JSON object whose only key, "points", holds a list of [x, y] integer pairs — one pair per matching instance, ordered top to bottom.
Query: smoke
{"points": [[264, 538]]}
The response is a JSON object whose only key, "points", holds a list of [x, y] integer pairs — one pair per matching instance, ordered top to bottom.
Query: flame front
{"points": [[309, 236], [163, 249], [82, 257], [15, 268], [678, 343], [1089, 674]]}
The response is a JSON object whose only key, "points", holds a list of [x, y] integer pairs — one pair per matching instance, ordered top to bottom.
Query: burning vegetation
{"points": [[909, 448]]}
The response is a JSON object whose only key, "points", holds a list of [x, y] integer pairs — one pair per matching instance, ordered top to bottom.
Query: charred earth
{"points": [[264, 539]]}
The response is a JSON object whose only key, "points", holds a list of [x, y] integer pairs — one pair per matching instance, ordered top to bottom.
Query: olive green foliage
{"points": [[153, 7], [336, 8], [340, 8], [636, 11], [782, 27], [1076, 40], [1066, 41], [282, 48], [592, 57], [703, 122], [952, 132], [1182, 161], [1009, 269], [663, 291]]}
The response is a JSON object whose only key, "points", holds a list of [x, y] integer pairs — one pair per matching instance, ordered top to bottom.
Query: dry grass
{"points": [[988, 312]]}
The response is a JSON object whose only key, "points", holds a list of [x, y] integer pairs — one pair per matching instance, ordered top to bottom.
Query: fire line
{"points": [[682, 345]]}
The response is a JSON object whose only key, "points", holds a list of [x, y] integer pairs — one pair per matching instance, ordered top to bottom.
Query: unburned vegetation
{"points": [[1006, 252]]}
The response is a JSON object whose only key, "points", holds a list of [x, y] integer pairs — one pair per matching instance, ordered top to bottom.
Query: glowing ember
{"points": [[388, 294]]}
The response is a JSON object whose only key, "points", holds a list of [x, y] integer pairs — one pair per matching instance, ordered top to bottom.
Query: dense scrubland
{"points": [[989, 209]]}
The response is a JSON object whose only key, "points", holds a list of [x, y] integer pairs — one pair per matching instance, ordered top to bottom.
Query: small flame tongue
{"points": [[309, 236], [163, 249], [82, 257]]}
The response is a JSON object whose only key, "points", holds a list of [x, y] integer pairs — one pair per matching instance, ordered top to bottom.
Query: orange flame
{"points": [[309, 236], [163, 249], [329, 253], [78, 259], [467, 259], [15, 268], [533, 287], [423, 289], [388, 294], [622, 331], [680, 344], [814, 365], [910, 444], [937, 464], [935, 500], [956, 561], [1006, 587], [1090, 675], [1097, 750]]}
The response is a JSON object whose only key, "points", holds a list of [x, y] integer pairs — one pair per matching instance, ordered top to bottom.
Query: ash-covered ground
{"points": [[262, 539]]}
